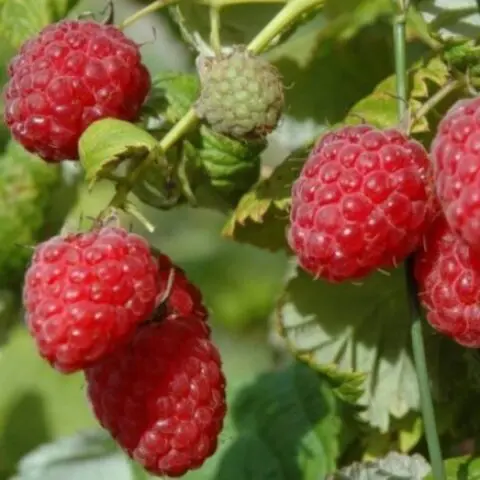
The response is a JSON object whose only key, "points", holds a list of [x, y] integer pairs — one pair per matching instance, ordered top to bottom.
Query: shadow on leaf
{"points": [[288, 424], [24, 429]]}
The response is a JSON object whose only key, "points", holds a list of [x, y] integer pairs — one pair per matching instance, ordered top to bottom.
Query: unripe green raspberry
{"points": [[241, 94]]}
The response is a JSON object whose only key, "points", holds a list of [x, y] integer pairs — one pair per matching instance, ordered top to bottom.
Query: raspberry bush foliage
{"points": [[244, 246]]}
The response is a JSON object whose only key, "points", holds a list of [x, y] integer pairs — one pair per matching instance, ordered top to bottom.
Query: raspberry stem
{"points": [[152, 7], [287, 15], [215, 41], [435, 99], [418, 348]]}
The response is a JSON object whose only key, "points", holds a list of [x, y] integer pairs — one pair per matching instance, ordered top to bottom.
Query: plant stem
{"points": [[229, 3], [156, 5], [287, 15], [215, 41], [399, 42], [436, 98], [418, 348], [419, 357]]}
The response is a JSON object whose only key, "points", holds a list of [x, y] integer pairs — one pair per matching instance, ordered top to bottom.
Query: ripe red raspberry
{"points": [[71, 74], [455, 154], [361, 202], [448, 274], [84, 294], [182, 297], [162, 397]]}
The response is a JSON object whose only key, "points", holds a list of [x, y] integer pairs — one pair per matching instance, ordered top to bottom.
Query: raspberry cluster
{"points": [[367, 198], [448, 265], [103, 302]]}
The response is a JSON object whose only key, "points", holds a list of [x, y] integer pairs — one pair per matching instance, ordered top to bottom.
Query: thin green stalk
{"points": [[152, 7], [287, 15], [215, 41], [399, 42], [426, 402], [428, 411]]}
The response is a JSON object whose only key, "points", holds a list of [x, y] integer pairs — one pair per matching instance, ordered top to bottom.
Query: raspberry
{"points": [[71, 74], [242, 94], [455, 154], [361, 202], [448, 274], [85, 293], [183, 297], [162, 397]]}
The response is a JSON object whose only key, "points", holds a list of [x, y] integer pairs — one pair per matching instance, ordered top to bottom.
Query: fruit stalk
{"points": [[152, 7], [287, 15], [418, 348]]}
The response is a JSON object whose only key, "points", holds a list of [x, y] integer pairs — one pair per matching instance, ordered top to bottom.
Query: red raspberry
{"points": [[71, 74], [456, 157], [361, 202], [448, 274], [84, 294], [183, 297], [162, 397]]}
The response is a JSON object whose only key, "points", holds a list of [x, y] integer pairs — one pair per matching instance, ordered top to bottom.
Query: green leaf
{"points": [[452, 16], [347, 18], [21, 19], [336, 75], [173, 94], [380, 107], [108, 142], [232, 166], [215, 170], [27, 188], [261, 216], [369, 333], [39, 403], [289, 427], [402, 436], [91, 455], [393, 467], [461, 468]]}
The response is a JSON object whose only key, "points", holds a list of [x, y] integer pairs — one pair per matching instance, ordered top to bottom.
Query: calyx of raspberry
{"points": [[242, 94]]}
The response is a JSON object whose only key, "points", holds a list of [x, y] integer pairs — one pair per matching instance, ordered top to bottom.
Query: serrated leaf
{"points": [[22, 19], [173, 94], [380, 107], [108, 142], [232, 166], [215, 170], [261, 216], [367, 333], [288, 425], [402, 436], [91, 455], [393, 467], [461, 468]]}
